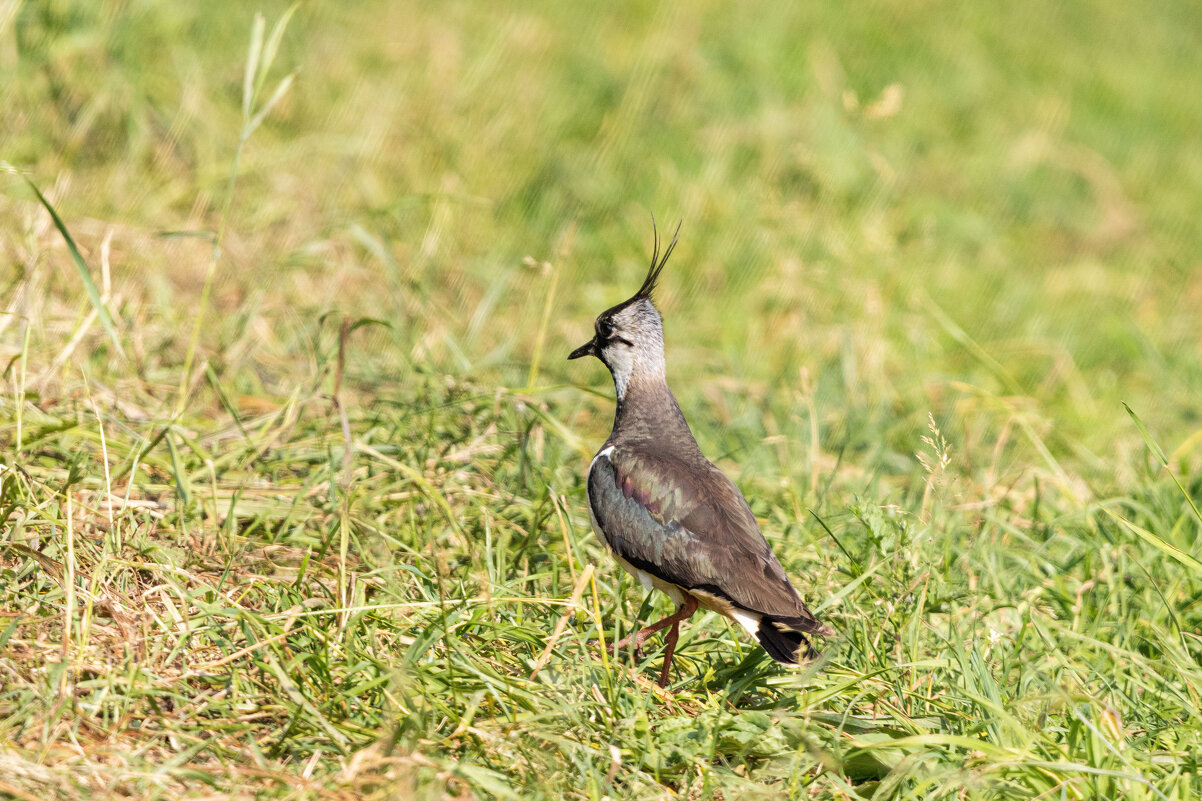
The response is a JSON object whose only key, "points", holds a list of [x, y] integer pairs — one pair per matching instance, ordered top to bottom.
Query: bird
{"points": [[665, 512]]}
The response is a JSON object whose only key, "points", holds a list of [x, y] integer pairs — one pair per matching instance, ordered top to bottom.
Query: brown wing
{"points": [[689, 525]]}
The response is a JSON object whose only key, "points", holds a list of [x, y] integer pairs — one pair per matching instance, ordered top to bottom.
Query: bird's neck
{"points": [[648, 411]]}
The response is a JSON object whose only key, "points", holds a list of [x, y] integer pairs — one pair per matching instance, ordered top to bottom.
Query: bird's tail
{"points": [[783, 641]]}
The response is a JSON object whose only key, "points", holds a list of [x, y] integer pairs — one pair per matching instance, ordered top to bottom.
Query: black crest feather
{"points": [[657, 262]]}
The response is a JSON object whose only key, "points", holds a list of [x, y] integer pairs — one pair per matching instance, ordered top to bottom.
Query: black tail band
{"points": [[783, 645]]}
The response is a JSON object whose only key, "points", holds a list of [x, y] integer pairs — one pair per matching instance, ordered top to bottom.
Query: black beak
{"points": [[587, 349]]}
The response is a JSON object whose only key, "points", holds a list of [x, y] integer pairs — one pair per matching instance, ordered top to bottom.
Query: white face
{"points": [[630, 336], [630, 342], [619, 358]]}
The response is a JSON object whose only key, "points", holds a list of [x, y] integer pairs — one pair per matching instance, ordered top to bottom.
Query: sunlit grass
{"points": [[334, 543]]}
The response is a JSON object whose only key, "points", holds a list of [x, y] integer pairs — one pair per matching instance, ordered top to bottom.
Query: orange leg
{"points": [[685, 611], [670, 638]]}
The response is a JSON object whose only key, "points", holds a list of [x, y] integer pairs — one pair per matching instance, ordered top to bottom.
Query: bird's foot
{"points": [[637, 639], [613, 648]]}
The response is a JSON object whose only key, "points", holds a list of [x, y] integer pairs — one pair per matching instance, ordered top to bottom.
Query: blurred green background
{"points": [[855, 185], [974, 223]]}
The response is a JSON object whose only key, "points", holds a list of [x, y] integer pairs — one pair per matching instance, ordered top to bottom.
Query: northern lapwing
{"points": [[668, 515]]}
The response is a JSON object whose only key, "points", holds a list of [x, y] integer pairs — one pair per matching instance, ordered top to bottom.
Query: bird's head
{"points": [[629, 337]]}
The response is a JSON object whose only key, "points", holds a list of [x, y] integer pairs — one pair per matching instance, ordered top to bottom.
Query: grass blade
{"points": [[273, 46], [252, 65], [85, 275], [1143, 431], [1164, 462], [1164, 547]]}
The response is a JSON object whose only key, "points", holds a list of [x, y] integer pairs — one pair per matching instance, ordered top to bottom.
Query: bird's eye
{"points": [[605, 329]]}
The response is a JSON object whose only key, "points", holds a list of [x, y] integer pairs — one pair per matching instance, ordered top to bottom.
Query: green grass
{"points": [[292, 489]]}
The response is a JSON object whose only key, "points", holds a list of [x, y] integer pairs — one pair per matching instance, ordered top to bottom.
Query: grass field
{"points": [[292, 488]]}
